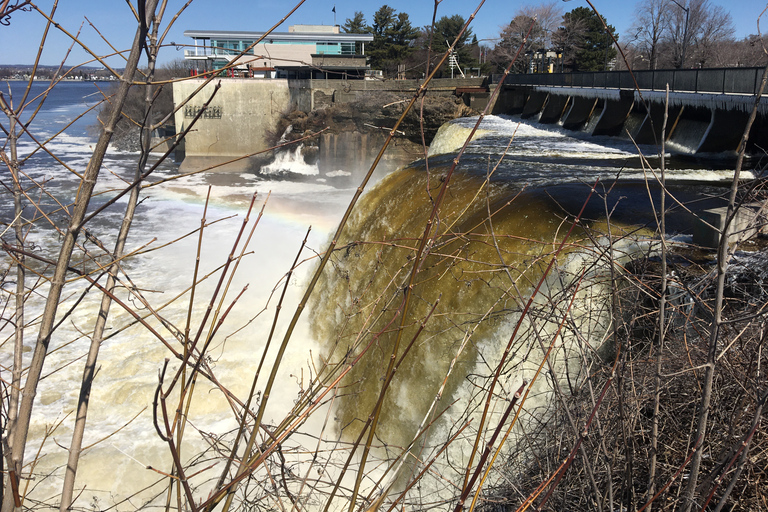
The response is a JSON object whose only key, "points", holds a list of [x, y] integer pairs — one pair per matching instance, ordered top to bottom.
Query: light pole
{"points": [[685, 31]]}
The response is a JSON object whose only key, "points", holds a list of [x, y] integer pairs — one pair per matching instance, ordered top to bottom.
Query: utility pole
{"points": [[453, 62]]}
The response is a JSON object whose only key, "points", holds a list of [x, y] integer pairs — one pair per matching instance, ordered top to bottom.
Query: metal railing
{"points": [[198, 52], [708, 80]]}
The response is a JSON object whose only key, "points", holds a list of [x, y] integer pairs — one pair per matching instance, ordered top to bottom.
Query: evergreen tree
{"points": [[356, 25], [446, 30], [393, 38], [586, 45]]}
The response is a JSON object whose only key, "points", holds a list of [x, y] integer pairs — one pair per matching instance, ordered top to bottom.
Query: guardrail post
{"points": [[696, 81], [722, 89]]}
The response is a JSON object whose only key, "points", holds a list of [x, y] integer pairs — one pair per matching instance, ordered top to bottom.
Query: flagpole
{"points": [[334, 15]]}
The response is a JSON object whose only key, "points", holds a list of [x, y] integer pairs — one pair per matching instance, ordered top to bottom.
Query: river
{"points": [[509, 206]]}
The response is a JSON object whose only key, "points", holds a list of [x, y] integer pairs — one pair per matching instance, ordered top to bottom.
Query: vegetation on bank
{"points": [[665, 34], [375, 114], [128, 128], [630, 449]]}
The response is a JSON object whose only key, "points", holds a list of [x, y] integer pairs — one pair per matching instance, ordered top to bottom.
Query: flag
{"points": [[334, 9]]}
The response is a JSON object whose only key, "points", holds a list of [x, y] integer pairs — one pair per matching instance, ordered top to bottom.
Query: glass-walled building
{"points": [[305, 51]]}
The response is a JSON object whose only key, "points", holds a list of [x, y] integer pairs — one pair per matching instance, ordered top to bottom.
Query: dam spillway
{"points": [[707, 109]]}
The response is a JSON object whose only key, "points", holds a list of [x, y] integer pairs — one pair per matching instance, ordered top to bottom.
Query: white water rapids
{"points": [[121, 439]]}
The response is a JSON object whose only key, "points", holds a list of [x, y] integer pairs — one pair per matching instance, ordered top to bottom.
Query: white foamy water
{"points": [[527, 140], [548, 154], [290, 161], [129, 362], [120, 423], [116, 465]]}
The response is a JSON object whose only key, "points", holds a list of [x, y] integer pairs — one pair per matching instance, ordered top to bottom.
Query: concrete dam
{"points": [[708, 109], [243, 115]]}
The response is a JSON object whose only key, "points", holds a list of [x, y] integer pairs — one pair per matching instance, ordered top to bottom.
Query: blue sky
{"points": [[19, 40]]}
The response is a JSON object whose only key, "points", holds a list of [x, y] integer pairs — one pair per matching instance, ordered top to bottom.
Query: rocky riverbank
{"points": [[348, 136]]}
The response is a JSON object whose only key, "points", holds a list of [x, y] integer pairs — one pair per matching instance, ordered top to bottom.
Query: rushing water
{"points": [[492, 240], [129, 361]]}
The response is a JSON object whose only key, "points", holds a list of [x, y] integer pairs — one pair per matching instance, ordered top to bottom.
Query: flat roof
{"points": [[280, 36]]}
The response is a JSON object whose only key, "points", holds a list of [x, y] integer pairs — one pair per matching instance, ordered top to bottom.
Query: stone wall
{"points": [[326, 92]]}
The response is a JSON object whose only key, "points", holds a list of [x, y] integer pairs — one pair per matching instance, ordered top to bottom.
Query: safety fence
{"points": [[708, 80]]}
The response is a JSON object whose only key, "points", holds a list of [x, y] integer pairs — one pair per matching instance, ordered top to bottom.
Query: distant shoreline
{"points": [[67, 80]]}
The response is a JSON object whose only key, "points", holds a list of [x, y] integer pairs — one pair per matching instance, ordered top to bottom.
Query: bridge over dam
{"points": [[708, 108]]}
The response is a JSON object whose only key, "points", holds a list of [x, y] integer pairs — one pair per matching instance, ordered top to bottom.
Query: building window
{"points": [[226, 46], [231, 47], [328, 48], [348, 48]]}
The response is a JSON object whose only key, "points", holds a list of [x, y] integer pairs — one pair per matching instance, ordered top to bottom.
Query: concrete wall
{"points": [[343, 61], [325, 92], [301, 94], [506, 103], [244, 111], [614, 114], [578, 115], [237, 121], [354, 152], [747, 221]]}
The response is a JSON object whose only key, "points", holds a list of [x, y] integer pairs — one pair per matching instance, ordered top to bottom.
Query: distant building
{"points": [[305, 51]]}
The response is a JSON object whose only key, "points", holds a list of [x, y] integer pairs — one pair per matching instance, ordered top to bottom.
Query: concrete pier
{"points": [[554, 108], [581, 110], [614, 114], [237, 122], [748, 221]]}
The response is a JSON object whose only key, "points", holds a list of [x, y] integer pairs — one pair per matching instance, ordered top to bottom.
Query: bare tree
{"points": [[547, 18], [694, 28], [648, 29], [716, 30], [511, 37], [741, 53], [577, 327]]}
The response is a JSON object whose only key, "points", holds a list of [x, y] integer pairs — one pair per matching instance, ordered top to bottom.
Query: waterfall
{"points": [[290, 161], [505, 214], [493, 244]]}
